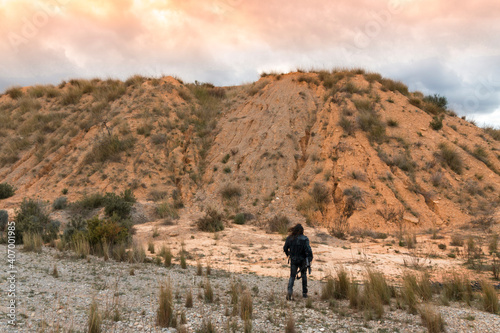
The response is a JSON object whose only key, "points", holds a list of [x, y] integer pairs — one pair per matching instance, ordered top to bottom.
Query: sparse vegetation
{"points": [[108, 148], [450, 157], [33, 218], [165, 312], [431, 318], [95, 319]]}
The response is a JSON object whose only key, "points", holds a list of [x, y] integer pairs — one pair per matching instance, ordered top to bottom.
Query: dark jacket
{"points": [[298, 248]]}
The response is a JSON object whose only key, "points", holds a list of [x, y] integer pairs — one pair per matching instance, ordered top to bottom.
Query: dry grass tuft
{"points": [[32, 242], [489, 298], [246, 306], [165, 312], [431, 318], [95, 319]]}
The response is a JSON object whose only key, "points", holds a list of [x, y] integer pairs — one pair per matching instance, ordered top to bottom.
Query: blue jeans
{"points": [[294, 268]]}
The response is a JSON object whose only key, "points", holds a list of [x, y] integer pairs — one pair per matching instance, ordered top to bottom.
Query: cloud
{"points": [[437, 46]]}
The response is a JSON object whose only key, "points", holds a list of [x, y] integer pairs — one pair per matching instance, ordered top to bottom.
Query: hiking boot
{"points": [[304, 295], [288, 296]]}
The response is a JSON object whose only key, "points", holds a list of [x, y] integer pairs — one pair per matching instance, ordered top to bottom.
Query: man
{"points": [[298, 248]]}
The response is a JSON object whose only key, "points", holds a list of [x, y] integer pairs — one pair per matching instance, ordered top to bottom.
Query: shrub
{"points": [[14, 92], [437, 100], [416, 102], [370, 122], [392, 123], [436, 123], [347, 125], [493, 132], [108, 148], [481, 154], [451, 157], [6, 191], [230, 191], [320, 194], [354, 194], [89, 202], [60, 203], [119, 205], [165, 209], [33, 218], [240, 218], [4, 219], [211, 222], [279, 223], [112, 231], [456, 240], [442, 246], [167, 256], [183, 258], [377, 284], [328, 289], [489, 298], [246, 306], [165, 312], [431, 318], [95, 320]]}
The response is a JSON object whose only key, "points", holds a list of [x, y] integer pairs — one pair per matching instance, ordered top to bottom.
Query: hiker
{"points": [[297, 247]]}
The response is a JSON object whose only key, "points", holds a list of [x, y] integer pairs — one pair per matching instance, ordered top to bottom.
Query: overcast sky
{"points": [[448, 47]]}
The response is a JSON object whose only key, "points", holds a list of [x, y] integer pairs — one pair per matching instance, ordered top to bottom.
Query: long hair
{"points": [[296, 231]]}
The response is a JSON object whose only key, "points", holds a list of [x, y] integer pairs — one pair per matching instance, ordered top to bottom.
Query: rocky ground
{"points": [[127, 296]]}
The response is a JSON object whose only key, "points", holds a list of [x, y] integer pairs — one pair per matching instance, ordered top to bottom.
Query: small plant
{"points": [[392, 123], [436, 123], [347, 125], [226, 158], [6, 191], [229, 192], [60, 203], [4, 219], [211, 222], [279, 223], [456, 240], [442, 246], [167, 257], [183, 258], [199, 268], [55, 272], [208, 292], [489, 298], [189, 299], [246, 306], [165, 312], [431, 318], [95, 320], [290, 324]]}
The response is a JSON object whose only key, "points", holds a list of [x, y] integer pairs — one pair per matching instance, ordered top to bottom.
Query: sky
{"points": [[446, 47]]}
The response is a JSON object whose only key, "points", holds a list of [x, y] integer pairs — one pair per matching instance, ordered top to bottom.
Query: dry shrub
{"points": [[211, 222], [279, 223], [208, 291], [189, 299], [165, 312], [431, 318]]}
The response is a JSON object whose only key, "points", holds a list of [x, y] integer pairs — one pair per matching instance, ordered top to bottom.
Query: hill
{"points": [[342, 149]]}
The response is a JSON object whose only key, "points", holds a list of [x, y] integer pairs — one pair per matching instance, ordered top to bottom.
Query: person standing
{"points": [[298, 249]]}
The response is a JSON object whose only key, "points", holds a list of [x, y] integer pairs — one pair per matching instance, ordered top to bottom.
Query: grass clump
{"points": [[14, 92], [71, 96], [370, 122], [436, 123], [347, 125], [108, 148], [450, 157], [6, 191], [230, 192], [60, 203], [240, 218], [211, 222], [279, 224], [32, 242], [208, 292], [489, 298], [189, 299], [246, 306], [165, 313], [431, 318], [95, 319], [290, 324]]}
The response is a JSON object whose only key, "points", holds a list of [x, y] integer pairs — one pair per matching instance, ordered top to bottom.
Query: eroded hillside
{"points": [[342, 149]]}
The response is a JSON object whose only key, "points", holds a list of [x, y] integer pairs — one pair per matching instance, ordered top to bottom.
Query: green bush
{"points": [[437, 100], [436, 123], [6, 190], [60, 203], [120, 205], [33, 218], [240, 218], [211, 222], [76, 226], [110, 231]]}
